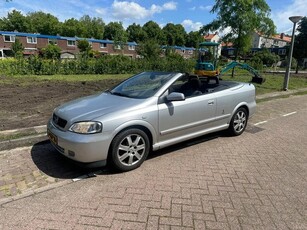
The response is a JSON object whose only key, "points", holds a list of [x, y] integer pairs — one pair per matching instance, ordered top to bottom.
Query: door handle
{"points": [[211, 102]]}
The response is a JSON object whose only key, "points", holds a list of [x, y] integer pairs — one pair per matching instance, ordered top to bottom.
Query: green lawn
{"points": [[274, 82]]}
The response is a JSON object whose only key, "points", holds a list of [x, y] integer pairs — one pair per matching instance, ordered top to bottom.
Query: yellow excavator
{"points": [[207, 64]]}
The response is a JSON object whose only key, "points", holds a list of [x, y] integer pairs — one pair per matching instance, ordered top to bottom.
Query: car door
{"points": [[181, 120]]}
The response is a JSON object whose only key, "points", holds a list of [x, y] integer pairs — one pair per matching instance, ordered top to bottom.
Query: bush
{"points": [[51, 52], [266, 57], [284, 63], [117, 64], [68, 67]]}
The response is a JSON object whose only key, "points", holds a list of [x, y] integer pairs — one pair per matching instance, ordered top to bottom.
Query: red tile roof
{"points": [[209, 36], [281, 36], [227, 44]]}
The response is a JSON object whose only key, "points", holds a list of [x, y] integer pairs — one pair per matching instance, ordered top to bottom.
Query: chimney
{"points": [[216, 33], [282, 36]]}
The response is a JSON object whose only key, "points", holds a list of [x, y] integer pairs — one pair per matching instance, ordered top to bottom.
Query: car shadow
{"points": [[52, 163]]}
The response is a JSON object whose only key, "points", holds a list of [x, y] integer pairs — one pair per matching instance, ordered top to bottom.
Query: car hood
{"points": [[91, 107]]}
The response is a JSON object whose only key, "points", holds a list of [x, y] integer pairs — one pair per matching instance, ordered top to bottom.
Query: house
{"points": [[212, 37], [262, 41], [33, 43], [277, 44], [185, 52]]}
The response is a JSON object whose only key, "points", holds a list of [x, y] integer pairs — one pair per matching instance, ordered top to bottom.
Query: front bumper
{"points": [[83, 148]]}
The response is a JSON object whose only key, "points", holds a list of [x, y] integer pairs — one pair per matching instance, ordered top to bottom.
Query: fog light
{"points": [[71, 153]]}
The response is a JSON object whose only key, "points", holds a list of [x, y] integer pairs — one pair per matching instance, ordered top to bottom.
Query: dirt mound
{"points": [[25, 103]]}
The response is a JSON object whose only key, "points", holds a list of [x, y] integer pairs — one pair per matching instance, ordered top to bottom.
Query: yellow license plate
{"points": [[53, 138]]}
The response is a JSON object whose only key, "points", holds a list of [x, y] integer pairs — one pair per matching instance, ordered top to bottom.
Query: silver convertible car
{"points": [[147, 112]]}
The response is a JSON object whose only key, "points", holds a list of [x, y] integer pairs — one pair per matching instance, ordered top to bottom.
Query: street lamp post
{"points": [[293, 19]]}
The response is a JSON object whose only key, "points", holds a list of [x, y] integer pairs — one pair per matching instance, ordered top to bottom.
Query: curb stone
{"points": [[280, 93], [35, 129], [37, 134], [23, 141], [35, 191]]}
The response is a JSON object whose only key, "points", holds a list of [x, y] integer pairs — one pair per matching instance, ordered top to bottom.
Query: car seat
{"points": [[191, 87]]}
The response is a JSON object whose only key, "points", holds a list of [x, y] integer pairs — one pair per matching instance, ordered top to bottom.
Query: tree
{"points": [[242, 17], [15, 20], [43, 23], [91, 27], [71, 28], [153, 31], [116, 32], [136, 33], [174, 34], [193, 39], [300, 43], [84, 47], [17, 48], [149, 49], [52, 51]]}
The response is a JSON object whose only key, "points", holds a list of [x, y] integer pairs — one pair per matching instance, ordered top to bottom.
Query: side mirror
{"points": [[175, 97]]}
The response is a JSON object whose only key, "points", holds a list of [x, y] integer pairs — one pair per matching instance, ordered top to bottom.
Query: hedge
{"points": [[108, 64]]}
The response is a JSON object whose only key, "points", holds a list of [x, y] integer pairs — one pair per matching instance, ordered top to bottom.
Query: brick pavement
{"points": [[24, 170], [255, 181]]}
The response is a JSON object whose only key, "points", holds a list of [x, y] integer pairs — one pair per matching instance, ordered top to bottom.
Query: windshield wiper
{"points": [[119, 94]]}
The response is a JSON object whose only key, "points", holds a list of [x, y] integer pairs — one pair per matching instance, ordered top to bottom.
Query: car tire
{"points": [[238, 122], [129, 149]]}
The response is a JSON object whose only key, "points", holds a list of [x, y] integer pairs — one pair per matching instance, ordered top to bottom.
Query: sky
{"points": [[192, 14]]}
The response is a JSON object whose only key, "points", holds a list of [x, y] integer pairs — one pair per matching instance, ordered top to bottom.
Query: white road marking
{"points": [[288, 114], [261, 122], [93, 174], [80, 178]]}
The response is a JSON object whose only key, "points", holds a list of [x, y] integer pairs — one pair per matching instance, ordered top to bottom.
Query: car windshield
{"points": [[143, 85]]}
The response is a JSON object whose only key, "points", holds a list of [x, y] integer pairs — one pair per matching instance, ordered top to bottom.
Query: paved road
{"points": [[255, 181]]}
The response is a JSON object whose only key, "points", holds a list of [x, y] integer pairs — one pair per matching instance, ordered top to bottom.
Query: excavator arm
{"points": [[256, 79]]}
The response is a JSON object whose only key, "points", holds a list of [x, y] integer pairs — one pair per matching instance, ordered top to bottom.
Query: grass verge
{"points": [[273, 82], [281, 96], [16, 136]]}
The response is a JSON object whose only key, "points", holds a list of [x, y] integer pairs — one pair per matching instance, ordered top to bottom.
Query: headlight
{"points": [[86, 127]]}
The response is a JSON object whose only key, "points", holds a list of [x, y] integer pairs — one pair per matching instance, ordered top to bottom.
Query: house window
{"points": [[9, 38], [32, 40], [53, 41], [71, 42], [103, 45], [117, 47], [130, 47], [183, 51], [190, 52], [231, 52], [282, 52]]}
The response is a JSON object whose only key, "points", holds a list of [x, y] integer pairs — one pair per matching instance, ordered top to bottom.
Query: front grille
{"points": [[59, 121]]}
